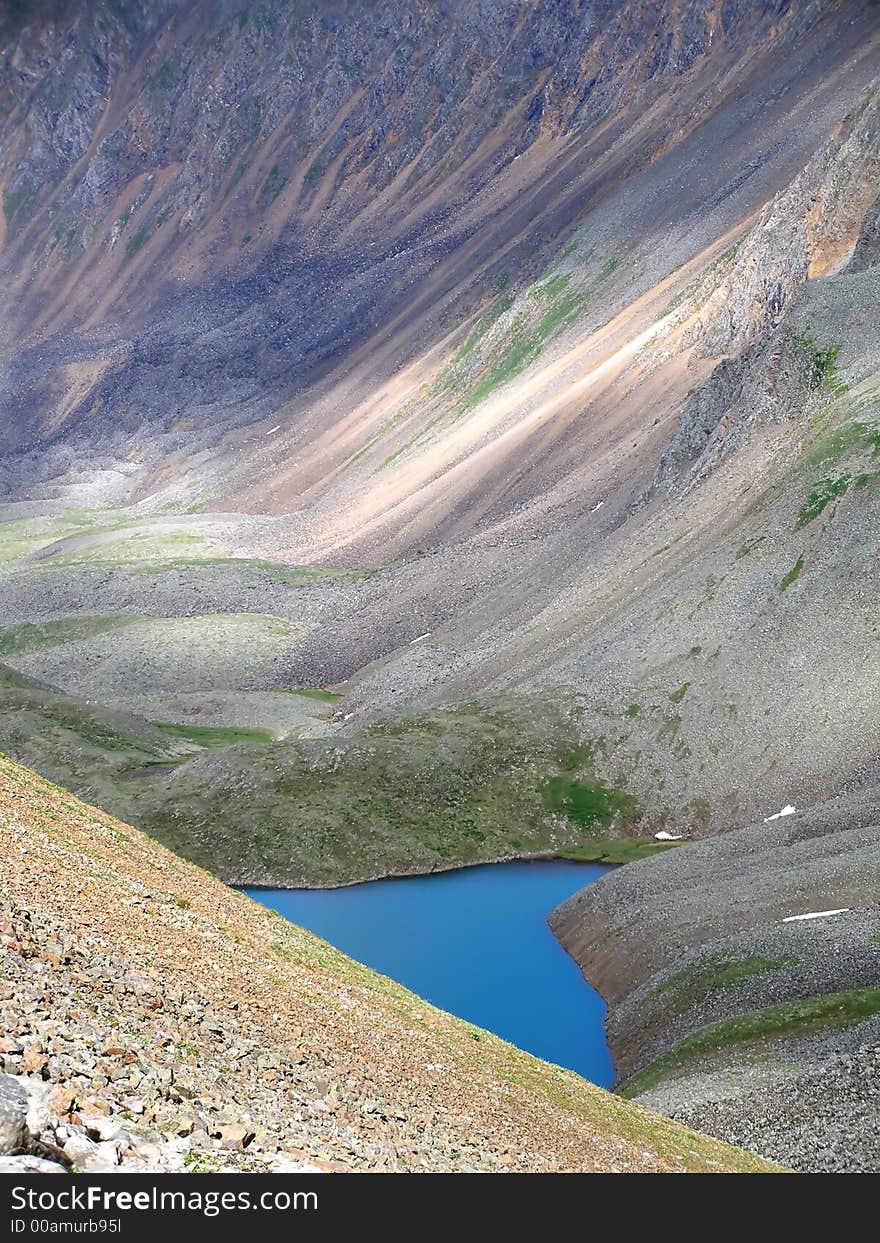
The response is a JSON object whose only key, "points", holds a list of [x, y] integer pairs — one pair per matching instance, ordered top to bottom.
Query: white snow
{"points": [[273, 430], [598, 505], [419, 639], [788, 810], [663, 836], [841, 910]]}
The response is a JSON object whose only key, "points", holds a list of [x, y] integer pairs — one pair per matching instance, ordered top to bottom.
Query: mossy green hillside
{"points": [[793, 574], [410, 793]]}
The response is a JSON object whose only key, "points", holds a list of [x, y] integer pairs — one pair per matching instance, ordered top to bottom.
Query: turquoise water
{"points": [[475, 942]]}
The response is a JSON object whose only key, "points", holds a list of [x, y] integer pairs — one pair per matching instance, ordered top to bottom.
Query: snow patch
{"points": [[788, 810], [663, 836], [790, 919]]}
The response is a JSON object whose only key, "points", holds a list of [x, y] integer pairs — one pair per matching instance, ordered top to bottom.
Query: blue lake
{"points": [[475, 942]]}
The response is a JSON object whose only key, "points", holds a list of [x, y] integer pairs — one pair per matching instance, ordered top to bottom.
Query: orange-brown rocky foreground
{"points": [[161, 1021]]}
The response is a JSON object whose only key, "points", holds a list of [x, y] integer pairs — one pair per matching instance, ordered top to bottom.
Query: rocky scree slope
{"points": [[237, 199], [726, 1010], [155, 1020]]}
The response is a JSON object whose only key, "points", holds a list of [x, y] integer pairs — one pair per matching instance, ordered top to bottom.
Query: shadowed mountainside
{"points": [[499, 376]]}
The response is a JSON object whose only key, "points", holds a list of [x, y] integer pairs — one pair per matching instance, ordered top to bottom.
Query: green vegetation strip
{"points": [[822, 366], [853, 437], [825, 491], [793, 574], [319, 693], [214, 735], [617, 850], [716, 972], [792, 1018]]}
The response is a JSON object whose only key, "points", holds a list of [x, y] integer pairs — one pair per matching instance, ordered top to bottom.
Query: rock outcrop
{"points": [[14, 1132]]}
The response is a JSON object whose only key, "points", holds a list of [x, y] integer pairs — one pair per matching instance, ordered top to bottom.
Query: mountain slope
{"points": [[391, 187], [541, 378], [433, 433], [743, 979], [181, 1011]]}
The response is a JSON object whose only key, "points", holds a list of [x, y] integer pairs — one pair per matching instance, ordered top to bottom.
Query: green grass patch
{"points": [[555, 286], [559, 307], [483, 325], [524, 347], [822, 366], [856, 436], [866, 479], [821, 496], [138, 547], [15, 549], [142, 551], [793, 574], [32, 636], [317, 692], [89, 727], [214, 735], [590, 806], [618, 850], [717, 972], [793, 1018]]}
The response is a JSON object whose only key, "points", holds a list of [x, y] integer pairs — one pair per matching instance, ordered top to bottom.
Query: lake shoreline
{"points": [[605, 858], [412, 873], [475, 941]]}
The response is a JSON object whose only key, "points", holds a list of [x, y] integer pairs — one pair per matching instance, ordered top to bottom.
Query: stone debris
{"points": [[13, 1115]]}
